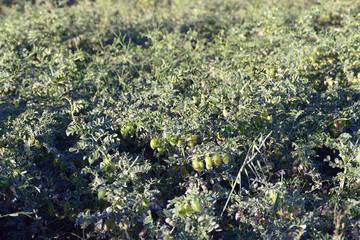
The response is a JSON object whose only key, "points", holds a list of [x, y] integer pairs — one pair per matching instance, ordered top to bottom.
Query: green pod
{"points": [[217, 160]]}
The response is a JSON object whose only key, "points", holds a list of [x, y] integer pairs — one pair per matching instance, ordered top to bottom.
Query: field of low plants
{"points": [[179, 119]]}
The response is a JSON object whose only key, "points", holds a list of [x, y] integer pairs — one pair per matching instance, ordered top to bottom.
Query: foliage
{"points": [[169, 119]]}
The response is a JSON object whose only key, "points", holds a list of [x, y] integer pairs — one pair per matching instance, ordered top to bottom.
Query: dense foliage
{"points": [[179, 119]]}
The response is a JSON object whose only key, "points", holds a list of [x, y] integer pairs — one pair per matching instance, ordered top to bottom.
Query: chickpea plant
{"points": [[171, 119]]}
